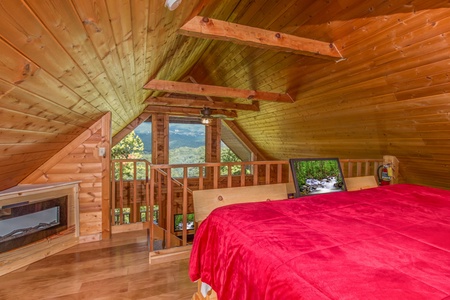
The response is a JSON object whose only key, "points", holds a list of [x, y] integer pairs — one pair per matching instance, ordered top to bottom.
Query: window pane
{"points": [[186, 144], [232, 147]]}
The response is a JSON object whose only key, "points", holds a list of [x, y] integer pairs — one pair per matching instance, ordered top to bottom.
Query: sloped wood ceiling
{"points": [[64, 63]]}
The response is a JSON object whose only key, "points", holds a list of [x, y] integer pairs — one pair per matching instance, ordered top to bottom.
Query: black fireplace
{"points": [[26, 222]]}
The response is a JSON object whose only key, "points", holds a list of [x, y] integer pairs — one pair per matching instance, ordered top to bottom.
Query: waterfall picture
{"points": [[317, 176]]}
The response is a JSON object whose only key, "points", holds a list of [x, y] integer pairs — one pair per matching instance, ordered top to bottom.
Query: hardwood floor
{"points": [[111, 269]]}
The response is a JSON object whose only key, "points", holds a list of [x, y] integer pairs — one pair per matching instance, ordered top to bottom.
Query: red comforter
{"points": [[390, 242]]}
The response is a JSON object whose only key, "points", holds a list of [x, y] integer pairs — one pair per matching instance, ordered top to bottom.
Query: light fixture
{"points": [[172, 4], [206, 116], [206, 121]]}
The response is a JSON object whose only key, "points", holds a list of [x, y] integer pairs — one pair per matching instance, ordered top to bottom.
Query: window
{"points": [[144, 131], [186, 144], [136, 145], [233, 150]]}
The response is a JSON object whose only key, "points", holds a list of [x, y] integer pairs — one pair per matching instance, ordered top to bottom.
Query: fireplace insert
{"points": [[27, 222]]}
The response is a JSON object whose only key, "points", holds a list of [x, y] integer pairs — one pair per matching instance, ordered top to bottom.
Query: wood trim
{"points": [[207, 28], [216, 91], [183, 102], [186, 111], [130, 127], [244, 139], [106, 176], [360, 183], [207, 200], [169, 255]]}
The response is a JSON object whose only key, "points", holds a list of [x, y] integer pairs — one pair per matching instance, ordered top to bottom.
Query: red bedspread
{"points": [[390, 242]]}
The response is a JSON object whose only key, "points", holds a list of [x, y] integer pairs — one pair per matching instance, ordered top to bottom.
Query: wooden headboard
{"points": [[206, 201]]}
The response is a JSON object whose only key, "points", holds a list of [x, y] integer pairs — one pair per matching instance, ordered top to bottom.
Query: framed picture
{"points": [[316, 176], [178, 222]]}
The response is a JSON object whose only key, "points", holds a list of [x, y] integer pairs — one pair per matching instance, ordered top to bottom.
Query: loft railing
{"points": [[360, 167], [130, 190], [176, 193], [153, 194]]}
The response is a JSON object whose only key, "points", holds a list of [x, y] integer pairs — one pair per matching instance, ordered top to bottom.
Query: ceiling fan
{"points": [[207, 116]]}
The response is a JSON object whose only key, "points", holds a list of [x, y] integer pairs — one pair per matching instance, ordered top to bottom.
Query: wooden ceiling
{"points": [[345, 78]]}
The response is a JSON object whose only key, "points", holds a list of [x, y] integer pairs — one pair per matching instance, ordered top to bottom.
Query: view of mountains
{"points": [[180, 135]]}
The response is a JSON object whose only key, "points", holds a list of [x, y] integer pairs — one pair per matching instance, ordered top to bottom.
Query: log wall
{"points": [[80, 161]]}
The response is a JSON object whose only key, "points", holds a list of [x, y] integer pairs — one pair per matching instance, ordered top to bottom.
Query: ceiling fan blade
{"points": [[218, 116]]}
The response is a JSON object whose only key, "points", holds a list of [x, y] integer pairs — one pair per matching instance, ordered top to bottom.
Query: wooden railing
{"points": [[360, 167], [369, 167], [207, 176], [130, 188], [142, 192], [153, 194]]}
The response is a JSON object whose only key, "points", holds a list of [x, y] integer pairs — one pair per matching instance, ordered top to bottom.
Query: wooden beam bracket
{"points": [[207, 28], [216, 91], [185, 102]]}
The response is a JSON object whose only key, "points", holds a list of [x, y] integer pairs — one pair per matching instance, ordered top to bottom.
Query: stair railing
{"points": [[144, 194]]}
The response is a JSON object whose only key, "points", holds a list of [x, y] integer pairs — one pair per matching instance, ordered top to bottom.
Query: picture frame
{"points": [[314, 176], [178, 222]]}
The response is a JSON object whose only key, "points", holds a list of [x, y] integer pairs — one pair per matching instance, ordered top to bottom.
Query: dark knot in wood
{"points": [[205, 19], [278, 35], [220, 198]]}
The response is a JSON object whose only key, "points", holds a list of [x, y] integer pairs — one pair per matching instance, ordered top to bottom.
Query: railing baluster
{"points": [[358, 168], [350, 169], [375, 169], [279, 170], [255, 174], [268, 174], [216, 175], [242, 175], [230, 177], [200, 178], [113, 192], [134, 192], [121, 193], [147, 194], [185, 205], [152, 207], [169, 207]]}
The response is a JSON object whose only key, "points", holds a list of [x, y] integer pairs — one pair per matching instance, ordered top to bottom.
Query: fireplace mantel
{"points": [[33, 193]]}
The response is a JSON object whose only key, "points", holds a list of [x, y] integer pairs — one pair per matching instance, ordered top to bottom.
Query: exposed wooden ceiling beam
{"points": [[203, 27], [214, 90], [183, 102], [187, 111]]}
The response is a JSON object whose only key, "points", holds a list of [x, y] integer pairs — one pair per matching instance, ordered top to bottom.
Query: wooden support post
{"points": [[394, 163]]}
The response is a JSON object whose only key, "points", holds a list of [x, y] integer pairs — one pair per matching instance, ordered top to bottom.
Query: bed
{"points": [[390, 242]]}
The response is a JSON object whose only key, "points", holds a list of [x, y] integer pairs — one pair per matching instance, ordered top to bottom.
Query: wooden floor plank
{"points": [[109, 269]]}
